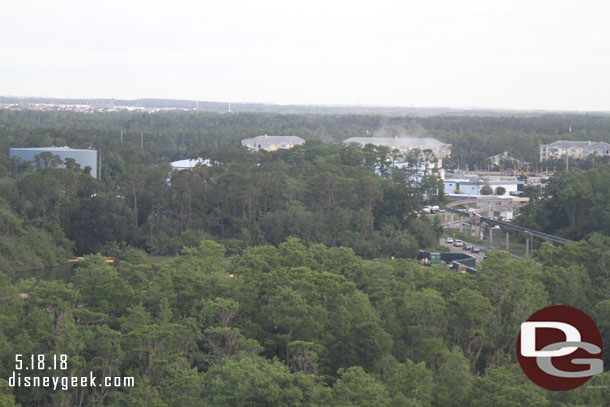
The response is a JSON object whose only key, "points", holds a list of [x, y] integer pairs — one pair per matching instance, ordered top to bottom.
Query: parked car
{"points": [[449, 240], [458, 243], [467, 246], [475, 249]]}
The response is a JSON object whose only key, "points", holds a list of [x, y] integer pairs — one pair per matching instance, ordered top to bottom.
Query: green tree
{"points": [[46, 159], [486, 190], [499, 191], [101, 287], [515, 292], [471, 314], [424, 317], [356, 326], [453, 380], [253, 381], [410, 384], [182, 385], [507, 386], [356, 388], [6, 395]]}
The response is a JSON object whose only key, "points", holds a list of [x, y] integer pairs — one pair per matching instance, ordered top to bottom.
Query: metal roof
{"points": [[273, 140], [398, 142], [592, 145], [53, 148], [184, 164]]}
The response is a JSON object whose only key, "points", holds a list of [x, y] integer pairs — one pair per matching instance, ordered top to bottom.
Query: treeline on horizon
{"points": [[25, 103], [179, 135], [327, 193]]}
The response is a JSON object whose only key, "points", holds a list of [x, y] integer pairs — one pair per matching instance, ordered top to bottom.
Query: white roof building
{"points": [[272, 143], [405, 144], [186, 164]]}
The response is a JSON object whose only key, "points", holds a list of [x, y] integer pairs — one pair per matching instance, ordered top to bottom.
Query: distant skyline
{"points": [[527, 55]]}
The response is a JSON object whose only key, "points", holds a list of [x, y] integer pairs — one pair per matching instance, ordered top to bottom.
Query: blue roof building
{"points": [[82, 157]]}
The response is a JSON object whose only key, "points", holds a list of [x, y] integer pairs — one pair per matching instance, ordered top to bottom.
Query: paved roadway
{"points": [[479, 256]]}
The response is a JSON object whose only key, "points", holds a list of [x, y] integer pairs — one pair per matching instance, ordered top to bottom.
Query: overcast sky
{"points": [[504, 54]]}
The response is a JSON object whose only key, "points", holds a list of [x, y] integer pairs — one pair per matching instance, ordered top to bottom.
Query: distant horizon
{"points": [[321, 105]]}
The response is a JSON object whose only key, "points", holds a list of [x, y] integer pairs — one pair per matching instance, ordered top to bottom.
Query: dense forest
{"points": [[178, 135], [321, 193], [326, 193], [574, 204], [288, 278], [299, 325]]}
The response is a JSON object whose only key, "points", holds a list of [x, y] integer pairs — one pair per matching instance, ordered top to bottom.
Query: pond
{"points": [[62, 272]]}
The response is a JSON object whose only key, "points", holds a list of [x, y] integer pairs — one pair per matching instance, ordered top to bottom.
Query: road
{"points": [[479, 256]]}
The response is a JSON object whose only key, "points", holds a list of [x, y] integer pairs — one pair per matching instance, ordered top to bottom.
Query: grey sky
{"points": [[512, 54]]}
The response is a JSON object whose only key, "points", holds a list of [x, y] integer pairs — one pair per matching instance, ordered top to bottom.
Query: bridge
{"points": [[487, 200], [491, 201], [505, 203], [498, 207], [476, 221]]}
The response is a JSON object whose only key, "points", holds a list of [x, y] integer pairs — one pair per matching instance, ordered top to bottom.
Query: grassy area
{"points": [[433, 218], [516, 247], [518, 252]]}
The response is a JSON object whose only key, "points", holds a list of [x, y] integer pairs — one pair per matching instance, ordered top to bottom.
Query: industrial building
{"points": [[272, 143], [406, 144], [573, 149], [82, 157], [188, 164], [456, 185]]}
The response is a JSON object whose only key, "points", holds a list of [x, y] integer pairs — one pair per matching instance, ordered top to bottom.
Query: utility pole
{"points": [[121, 136], [141, 140], [490, 237], [528, 243]]}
